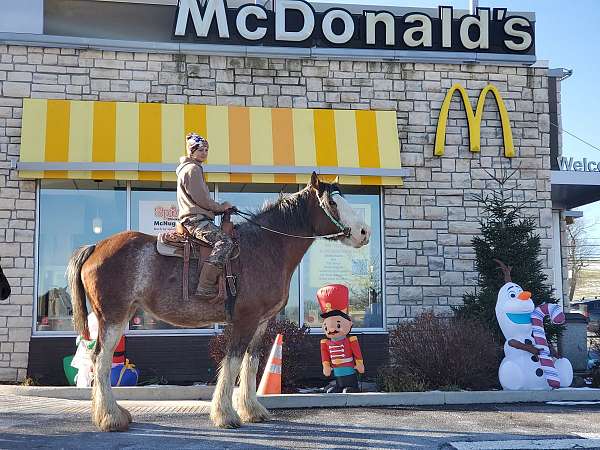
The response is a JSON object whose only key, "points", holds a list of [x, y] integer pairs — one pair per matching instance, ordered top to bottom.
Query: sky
{"points": [[568, 36]]}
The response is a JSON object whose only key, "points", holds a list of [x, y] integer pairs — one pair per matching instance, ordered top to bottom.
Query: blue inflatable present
{"points": [[124, 374]]}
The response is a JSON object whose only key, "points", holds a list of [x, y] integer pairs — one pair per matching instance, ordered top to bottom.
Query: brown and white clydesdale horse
{"points": [[124, 272], [4, 286]]}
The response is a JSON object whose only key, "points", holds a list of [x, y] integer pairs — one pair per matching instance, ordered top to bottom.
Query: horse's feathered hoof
{"points": [[127, 413], [258, 413], [118, 421], [226, 421], [231, 425]]}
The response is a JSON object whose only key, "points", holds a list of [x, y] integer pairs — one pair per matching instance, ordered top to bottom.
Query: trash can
{"points": [[573, 342]]}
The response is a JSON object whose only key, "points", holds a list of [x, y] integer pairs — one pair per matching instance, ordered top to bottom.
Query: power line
{"points": [[575, 136]]}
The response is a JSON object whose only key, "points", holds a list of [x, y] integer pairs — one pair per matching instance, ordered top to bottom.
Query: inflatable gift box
{"points": [[124, 374]]}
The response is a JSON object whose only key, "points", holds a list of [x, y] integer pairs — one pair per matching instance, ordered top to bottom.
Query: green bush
{"points": [[294, 350], [433, 352]]}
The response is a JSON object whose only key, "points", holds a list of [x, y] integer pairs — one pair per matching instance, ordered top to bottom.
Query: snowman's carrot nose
{"points": [[525, 295]]}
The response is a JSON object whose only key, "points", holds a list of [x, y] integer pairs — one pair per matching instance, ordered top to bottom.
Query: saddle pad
{"points": [[168, 250]]}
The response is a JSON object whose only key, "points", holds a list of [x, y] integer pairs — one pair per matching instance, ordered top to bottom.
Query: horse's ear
{"points": [[314, 180], [337, 180]]}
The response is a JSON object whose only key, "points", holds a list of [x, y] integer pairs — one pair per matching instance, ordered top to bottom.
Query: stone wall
{"points": [[429, 222]]}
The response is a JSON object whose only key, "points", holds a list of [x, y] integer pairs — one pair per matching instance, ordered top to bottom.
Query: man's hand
{"points": [[225, 206], [360, 367], [326, 370]]}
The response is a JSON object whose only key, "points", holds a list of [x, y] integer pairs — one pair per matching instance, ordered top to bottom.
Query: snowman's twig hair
{"points": [[505, 270]]}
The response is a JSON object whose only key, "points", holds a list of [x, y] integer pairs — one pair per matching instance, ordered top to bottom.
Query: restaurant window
{"points": [[72, 213], [359, 269]]}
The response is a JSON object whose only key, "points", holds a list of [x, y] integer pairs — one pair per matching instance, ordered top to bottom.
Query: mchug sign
{"points": [[296, 23]]}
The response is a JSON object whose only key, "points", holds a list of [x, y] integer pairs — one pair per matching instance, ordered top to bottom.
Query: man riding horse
{"points": [[197, 212], [124, 272]]}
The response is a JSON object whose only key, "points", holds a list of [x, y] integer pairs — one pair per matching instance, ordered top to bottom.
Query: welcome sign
{"points": [[296, 23]]}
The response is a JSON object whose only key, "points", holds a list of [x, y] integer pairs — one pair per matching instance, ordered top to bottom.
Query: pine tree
{"points": [[510, 237]]}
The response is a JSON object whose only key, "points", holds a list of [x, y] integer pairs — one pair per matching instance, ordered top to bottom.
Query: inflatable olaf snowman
{"points": [[527, 364]]}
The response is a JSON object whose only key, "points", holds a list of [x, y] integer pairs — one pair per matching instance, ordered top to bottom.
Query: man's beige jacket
{"points": [[193, 196]]}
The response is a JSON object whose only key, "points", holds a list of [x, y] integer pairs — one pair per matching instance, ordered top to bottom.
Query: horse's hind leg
{"points": [[248, 406], [106, 413], [222, 413]]}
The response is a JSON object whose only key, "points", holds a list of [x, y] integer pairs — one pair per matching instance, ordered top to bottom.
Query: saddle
{"points": [[180, 243]]}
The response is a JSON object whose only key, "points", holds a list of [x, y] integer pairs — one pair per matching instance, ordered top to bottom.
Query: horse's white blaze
{"points": [[360, 231]]}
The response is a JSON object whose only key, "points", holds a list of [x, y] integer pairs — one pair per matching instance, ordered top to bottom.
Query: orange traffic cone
{"points": [[270, 382]]}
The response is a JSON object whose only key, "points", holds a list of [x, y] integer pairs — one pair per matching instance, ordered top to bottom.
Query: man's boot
{"points": [[207, 285]]}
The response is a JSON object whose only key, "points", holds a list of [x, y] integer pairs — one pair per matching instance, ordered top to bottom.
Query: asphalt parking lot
{"points": [[33, 422]]}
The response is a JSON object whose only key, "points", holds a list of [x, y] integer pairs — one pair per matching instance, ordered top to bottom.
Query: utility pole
{"points": [[473, 4]]}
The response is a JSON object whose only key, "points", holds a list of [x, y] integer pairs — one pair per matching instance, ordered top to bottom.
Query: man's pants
{"points": [[222, 244]]}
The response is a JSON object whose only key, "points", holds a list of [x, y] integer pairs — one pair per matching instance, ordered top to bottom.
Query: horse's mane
{"points": [[288, 214]]}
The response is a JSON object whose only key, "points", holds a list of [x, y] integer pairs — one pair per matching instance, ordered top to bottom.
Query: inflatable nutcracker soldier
{"points": [[339, 352]]}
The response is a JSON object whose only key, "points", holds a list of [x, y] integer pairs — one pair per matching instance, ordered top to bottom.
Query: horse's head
{"points": [[334, 214], [4, 286]]}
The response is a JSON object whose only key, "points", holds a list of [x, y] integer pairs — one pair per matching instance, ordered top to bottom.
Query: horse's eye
{"points": [[332, 203]]}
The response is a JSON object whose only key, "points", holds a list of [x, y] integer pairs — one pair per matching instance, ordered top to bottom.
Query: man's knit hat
{"points": [[193, 140]]}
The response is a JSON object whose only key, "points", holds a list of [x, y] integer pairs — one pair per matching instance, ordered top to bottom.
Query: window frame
{"points": [[216, 328]]}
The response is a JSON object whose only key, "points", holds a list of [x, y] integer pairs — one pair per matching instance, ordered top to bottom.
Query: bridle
{"points": [[344, 231]]}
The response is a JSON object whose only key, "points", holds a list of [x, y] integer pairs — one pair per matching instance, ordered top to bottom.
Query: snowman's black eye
{"points": [[512, 295]]}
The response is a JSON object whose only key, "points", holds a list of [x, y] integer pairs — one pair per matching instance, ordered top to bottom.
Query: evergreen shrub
{"points": [[509, 236]]}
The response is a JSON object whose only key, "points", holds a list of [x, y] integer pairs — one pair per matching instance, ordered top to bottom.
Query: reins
{"points": [[248, 217]]}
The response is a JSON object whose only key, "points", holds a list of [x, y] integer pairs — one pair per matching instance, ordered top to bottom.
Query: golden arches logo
{"points": [[474, 120]]}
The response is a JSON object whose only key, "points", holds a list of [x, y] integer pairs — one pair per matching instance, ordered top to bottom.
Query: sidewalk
{"points": [[291, 401]]}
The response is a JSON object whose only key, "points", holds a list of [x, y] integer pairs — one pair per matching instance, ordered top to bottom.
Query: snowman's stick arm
{"points": [[521, 346]]}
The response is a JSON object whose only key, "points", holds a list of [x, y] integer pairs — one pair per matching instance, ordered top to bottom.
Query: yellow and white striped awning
{"points": [[143, 141]]}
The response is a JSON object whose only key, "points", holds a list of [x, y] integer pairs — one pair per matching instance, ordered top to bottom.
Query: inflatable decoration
{"points": [[339, 352], [528, 363], [123, 373]]}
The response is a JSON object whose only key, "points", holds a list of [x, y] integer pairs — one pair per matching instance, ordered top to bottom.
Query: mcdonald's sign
{"points": [[474, 120]]}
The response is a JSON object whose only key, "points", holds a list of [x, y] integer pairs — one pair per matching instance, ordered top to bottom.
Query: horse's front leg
{"points": [[248, 406], [222, 413]]}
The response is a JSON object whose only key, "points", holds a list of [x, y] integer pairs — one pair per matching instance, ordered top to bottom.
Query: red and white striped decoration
{"points": [[555, 313]]}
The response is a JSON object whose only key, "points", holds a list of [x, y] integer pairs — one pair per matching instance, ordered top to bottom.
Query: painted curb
{"points": [[202, 392], [291, 401]]}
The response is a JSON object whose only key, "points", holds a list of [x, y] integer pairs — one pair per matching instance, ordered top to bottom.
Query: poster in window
{"points": [[157, 216], [331, 262]]}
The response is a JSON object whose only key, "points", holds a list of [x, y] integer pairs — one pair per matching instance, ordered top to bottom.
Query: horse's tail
{"points": [[77, 289]]}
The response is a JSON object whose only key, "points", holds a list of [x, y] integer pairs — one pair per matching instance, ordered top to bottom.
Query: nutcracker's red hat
{"points": [[333, 300]]}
